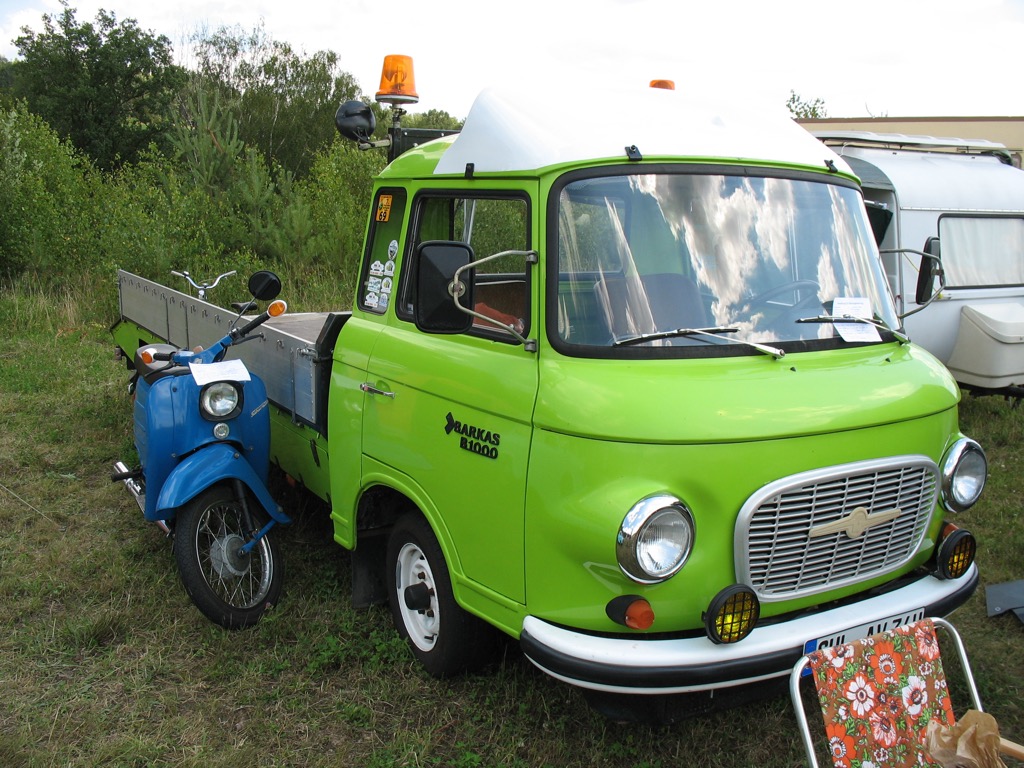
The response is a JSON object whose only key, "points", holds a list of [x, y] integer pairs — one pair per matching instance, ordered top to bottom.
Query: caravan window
{"points": [[982, 250]]}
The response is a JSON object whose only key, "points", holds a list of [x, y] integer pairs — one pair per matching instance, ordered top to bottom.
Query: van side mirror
{"points": [[355, 121], [931, 268], [441, 304]]}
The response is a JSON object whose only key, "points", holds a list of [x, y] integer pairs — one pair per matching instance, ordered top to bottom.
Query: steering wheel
{"points": [[765, 296]]}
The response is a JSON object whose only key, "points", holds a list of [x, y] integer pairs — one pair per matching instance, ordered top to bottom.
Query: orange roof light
{"points": [[397, 82], [668, 85]]}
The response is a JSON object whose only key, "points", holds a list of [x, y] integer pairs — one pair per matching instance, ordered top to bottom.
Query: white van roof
{"points": [[522, 131]]}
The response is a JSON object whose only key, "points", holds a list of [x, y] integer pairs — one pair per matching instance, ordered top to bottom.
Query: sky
{"points": [[894, 58]]}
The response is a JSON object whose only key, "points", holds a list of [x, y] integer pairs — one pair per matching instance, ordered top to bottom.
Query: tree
{"points": [[6, 78], [106, 87], [284, 102], [799, 108], [432, 118]]}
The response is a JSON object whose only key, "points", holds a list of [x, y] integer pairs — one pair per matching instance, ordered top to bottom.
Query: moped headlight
{"points": [[220, 400], [964, 471], [655, 539]]}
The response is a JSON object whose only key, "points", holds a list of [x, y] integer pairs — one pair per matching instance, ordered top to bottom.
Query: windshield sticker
{"points": [[384, 208], [854, 306], [476, 440]]}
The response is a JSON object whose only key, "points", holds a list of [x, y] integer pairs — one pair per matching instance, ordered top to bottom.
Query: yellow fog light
{"points": [[956, 552], [732, 614]]}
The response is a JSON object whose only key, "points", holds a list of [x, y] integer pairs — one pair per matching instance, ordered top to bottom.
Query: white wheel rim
{"points": [[412, 568]]}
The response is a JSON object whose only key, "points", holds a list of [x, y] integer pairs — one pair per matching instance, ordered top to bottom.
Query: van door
{"points": [[450, 415]]}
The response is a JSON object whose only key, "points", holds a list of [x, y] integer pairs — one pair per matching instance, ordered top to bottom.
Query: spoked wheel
{"points": [[232, 588], [443, 636]]}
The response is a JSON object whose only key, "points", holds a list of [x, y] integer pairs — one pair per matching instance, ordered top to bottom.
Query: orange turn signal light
{"points": [[397, 81], [668, 85], [277, 308], [146, 356], [631, 611], [639, 615]]}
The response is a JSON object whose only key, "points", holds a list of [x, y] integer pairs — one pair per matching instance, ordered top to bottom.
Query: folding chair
{"points": [[878, 696]]}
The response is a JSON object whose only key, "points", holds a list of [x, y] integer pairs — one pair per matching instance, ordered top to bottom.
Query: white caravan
{"points": [[948, 215]]}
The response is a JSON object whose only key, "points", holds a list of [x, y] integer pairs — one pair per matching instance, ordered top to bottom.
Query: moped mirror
{"points": [[264, 285], [436, 290]]}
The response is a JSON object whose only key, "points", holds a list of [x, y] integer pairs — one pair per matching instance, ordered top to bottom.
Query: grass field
{"points": [[104, 660]]}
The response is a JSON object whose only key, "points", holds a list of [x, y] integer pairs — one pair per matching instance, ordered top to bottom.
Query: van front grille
{"points": [[820, 530]]}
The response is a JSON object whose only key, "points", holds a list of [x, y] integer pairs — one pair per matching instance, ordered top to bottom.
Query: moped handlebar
{"points": [[203, 287], [275, 309]]}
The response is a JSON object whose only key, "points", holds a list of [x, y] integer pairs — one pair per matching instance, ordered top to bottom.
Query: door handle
{"points": [[372, 390]]}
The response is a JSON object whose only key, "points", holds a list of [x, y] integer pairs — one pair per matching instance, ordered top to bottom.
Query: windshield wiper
{"points": [[713, 332], [902, 338]]}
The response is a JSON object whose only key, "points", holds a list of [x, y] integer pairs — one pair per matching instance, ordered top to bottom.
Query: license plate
{"points": [[864, 630]]}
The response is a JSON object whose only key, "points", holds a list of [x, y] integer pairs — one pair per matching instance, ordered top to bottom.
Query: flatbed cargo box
{"points": [[291, 353]]}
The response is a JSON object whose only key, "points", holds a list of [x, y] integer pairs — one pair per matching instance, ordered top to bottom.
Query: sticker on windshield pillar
{"points": [[384, 208], [379, 285], [854, 306], [476, 440]]}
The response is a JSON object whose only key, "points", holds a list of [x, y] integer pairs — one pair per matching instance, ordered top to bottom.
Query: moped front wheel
{"points": [[232, 588]]}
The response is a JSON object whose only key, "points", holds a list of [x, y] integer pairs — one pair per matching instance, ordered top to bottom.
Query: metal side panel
{"points": [[144, 303], [285, 357]]}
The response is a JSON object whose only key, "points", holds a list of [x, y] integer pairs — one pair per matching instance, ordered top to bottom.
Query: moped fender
{"points": [[207, 466]]}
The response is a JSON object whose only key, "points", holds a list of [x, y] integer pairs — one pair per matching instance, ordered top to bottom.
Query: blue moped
{"points": [[202, 433]]}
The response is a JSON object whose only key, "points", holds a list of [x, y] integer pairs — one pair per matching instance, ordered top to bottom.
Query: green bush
{"points": [[337, 194], [48, 200], [213, 207]]}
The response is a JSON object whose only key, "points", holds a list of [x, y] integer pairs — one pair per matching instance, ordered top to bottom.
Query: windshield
{"points": [[982, 250], [740, 257]]}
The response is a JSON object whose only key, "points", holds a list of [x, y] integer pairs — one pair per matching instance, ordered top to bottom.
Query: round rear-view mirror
{"points": [[264, 285]]}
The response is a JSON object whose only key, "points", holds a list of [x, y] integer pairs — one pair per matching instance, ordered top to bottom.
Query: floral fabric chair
{"points": [[884, 698]]}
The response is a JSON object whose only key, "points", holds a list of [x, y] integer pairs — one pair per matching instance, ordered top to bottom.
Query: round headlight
{"points": [[220, 400], [964, 471], [655, 538]]}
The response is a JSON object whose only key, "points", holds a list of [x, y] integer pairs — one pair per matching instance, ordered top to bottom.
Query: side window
{"points": [[489, 225], [982, 250], [379, 278]]}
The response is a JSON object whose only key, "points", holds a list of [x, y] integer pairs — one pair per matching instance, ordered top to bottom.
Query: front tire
{"points": [[231, 589], [446, 639]]}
